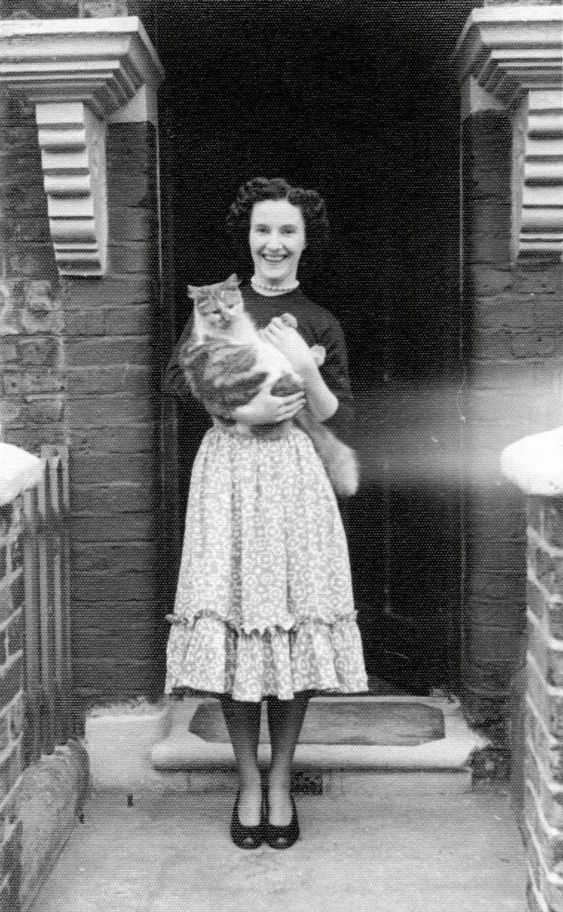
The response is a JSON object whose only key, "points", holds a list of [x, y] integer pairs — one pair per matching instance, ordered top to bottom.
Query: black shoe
{"points": [[245, 837], [283, 837]]}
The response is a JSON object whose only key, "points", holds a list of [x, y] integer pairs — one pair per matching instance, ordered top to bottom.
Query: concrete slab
{"points": [[182, 749], [172, 853]]}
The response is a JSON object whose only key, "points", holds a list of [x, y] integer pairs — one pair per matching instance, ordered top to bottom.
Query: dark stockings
{"points": [[285, 719], [243, 725]]}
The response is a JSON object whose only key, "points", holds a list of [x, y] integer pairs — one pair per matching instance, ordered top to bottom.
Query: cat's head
{"points": [[216, 307]]}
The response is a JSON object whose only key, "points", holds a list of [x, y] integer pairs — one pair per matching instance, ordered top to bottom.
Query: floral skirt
{"points": [[264, 600]]}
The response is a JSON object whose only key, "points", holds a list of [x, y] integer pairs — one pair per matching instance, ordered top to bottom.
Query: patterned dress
{"points": [[264, 600]]}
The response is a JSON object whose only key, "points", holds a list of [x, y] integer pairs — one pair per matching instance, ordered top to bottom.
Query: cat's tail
{"points": [[339, 460]]}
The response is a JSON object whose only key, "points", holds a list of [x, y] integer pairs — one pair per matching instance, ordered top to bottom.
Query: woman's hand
{"points": [[290, 343], [268, 409]]}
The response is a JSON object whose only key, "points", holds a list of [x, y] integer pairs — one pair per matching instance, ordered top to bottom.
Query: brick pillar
{"points": [[512, 323], [82, 366], [114, 408], [32, 410], [536, 465], [21, 473], [544, 722]]}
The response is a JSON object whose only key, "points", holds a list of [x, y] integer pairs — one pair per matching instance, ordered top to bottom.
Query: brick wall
{"points": [[513, 351], [80, 365], [113, 405], [32, 410], [11, 698], [544, 720]]}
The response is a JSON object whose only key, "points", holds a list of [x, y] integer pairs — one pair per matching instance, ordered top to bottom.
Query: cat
{"points": [[226, 363]]}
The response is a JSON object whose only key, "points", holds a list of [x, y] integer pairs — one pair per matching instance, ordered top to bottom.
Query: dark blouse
{"points": [[316, 325]]}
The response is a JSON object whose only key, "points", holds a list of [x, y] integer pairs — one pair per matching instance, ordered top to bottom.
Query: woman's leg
{"points": [[285, 719], [243, 725]]}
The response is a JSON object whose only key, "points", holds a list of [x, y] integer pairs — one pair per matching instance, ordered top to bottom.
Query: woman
{"points": [[264, 604]]}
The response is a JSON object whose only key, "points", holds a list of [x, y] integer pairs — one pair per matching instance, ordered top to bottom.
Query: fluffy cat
{"points": [[226, 363]]}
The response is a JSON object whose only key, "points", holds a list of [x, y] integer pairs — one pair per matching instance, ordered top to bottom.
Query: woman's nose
{"points": [[274, 242]]}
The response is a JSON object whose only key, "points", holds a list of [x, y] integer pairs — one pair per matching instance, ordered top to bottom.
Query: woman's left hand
{"points": [[290, 343]]}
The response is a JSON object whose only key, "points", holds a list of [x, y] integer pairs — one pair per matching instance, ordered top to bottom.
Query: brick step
{"points": [[153, 748]]}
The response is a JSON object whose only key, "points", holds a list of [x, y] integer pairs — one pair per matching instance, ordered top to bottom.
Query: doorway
{"points": [[356, 100]]}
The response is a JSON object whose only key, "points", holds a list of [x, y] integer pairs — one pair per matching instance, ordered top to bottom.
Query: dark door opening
{"points": [[356, 100]]}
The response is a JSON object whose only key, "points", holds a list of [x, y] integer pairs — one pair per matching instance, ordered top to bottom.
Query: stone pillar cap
{"points": [[535, 463], [19, 470]]}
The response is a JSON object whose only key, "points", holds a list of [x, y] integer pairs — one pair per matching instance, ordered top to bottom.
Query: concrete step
{"points": [[151, 747]]}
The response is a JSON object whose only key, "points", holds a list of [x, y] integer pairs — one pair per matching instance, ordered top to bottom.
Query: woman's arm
{"points": [[335, 374], [323, 401]]}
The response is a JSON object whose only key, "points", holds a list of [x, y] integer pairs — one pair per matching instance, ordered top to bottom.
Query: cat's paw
{"points": [[289, 320], [319, 354]]}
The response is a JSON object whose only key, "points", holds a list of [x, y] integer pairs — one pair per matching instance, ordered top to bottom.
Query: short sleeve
{"points": [[335, 374]]}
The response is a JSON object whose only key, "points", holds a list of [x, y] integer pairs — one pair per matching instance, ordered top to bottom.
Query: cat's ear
{"points": [[233, 281], [193, 292]]}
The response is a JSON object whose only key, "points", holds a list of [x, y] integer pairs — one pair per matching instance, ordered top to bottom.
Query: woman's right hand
{"points": [[268, 409]]}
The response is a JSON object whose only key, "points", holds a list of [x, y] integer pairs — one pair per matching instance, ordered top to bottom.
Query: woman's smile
{"points": [[277, 240]]}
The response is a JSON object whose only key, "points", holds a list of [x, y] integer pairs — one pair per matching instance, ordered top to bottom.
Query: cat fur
{"points": [[226, 363]]}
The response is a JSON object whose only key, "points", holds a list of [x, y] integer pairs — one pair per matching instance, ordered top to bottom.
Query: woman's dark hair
{"points": [[310, 202]]}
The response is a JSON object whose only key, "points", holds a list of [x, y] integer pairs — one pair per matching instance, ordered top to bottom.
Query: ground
{"points": [[172, 853]]}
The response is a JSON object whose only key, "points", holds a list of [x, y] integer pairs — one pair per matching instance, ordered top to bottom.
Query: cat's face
{"points": [[218, 306]]}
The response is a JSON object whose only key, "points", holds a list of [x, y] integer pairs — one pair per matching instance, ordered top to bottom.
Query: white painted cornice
{"points": [[515, 55], [80, 73]]}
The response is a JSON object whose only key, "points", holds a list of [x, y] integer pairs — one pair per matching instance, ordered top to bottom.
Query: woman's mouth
{"points": [[271, 258]]}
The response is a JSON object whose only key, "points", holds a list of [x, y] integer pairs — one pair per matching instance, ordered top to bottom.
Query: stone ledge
{"points": [[535, 463], [152, 749], [181, 749], [49, 797]]}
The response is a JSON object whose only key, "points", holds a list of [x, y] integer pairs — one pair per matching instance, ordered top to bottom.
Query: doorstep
{"points": [[156, 750]]}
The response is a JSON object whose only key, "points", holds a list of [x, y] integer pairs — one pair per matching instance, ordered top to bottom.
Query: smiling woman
{"points": [[357, 101], [278, 222], [277, 240], [264, 607]]}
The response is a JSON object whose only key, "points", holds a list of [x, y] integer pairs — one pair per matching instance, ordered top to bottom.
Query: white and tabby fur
{"points": [[227, 362]]}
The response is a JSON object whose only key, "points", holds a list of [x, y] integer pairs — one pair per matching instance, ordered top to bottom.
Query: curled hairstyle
{"points": [[310, 203]]}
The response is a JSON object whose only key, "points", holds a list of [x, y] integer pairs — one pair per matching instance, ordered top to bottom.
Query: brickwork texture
{"points": [[513, 354], [81, 365], [113, 401], [11, 699], [544, 710]]}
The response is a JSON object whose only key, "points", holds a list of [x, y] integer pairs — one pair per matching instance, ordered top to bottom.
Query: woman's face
{"points": [[277, 240]]}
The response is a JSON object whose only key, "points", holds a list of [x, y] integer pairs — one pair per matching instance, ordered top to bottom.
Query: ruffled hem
{"points": [[285, 624], [211, 657]]}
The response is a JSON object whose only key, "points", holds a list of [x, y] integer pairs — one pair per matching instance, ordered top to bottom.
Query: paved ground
{"points": [[172, 853]]}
